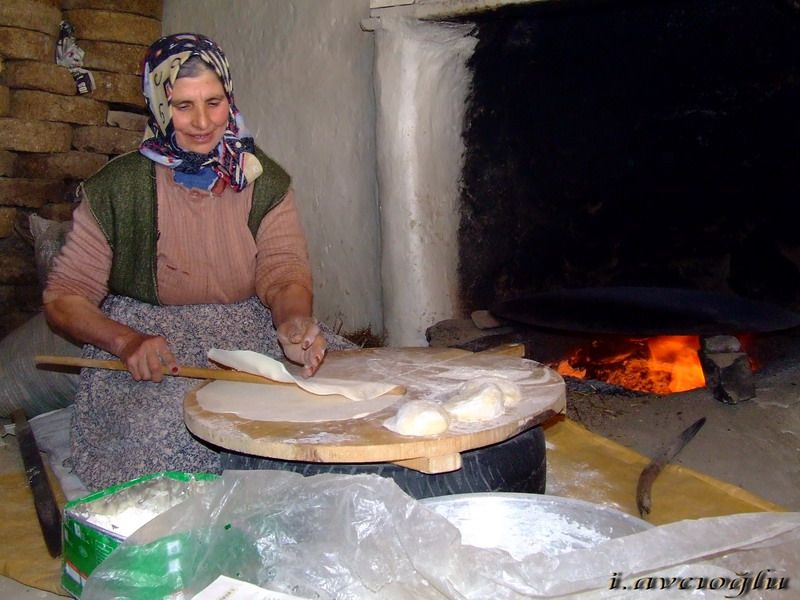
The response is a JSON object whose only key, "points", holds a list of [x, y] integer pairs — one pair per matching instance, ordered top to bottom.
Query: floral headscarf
{"points": [[233, 160]]}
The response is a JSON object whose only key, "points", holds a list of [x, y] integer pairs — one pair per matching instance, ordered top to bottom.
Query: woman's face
{"points": [[200, 112]]}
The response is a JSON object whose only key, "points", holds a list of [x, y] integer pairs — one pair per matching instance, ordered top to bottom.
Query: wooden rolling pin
{"points": [[192, 372]]}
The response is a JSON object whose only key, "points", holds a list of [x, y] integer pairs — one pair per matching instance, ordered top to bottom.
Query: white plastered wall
{"points": [[302, 73]]}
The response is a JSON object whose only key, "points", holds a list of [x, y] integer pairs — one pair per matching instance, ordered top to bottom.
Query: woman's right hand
{"points": [[145, 356]]}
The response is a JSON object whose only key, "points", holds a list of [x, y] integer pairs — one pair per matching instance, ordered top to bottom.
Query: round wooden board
{"points": [[423, 372]]}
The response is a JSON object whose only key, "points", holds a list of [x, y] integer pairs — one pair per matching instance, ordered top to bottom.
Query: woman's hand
{"points": [[298, 332], [302, 343], [145, 356]]}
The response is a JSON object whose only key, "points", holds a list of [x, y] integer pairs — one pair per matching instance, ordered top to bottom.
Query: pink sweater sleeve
{"points": [[282, 252], [83, 266]]}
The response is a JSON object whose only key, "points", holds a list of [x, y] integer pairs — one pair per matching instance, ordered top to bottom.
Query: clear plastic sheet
{"points": [[360, 536]]}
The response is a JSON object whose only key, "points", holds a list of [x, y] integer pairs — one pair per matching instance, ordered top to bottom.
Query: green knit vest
{"points": [[122, 198]]}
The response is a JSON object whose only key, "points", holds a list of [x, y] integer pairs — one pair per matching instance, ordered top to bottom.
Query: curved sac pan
{"points": [[646, 311]]}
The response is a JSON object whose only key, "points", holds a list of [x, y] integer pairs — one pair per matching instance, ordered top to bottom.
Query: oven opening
{"points": [[633, 145]]}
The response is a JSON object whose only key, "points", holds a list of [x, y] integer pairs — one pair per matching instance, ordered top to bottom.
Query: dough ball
{"points": [[511, 392], [473, 403], [419, 417]]}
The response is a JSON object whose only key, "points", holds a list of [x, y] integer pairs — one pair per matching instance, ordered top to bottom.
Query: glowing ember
{"points": [[658, 365]]}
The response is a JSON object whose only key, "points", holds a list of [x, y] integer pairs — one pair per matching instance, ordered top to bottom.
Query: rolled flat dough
{"points": [[261, 364], [263, 402]]}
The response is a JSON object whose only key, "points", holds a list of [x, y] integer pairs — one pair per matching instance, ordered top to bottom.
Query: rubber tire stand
{"points": [[518, 464]]}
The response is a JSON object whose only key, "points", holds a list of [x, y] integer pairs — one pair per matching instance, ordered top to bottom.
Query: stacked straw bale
{"points": [[53, 138]]}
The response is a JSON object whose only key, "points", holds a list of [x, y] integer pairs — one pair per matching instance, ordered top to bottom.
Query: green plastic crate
{"points": [[86, 545]]}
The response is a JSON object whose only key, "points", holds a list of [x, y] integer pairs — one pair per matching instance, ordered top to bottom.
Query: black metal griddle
{"points": [[646, 311]]}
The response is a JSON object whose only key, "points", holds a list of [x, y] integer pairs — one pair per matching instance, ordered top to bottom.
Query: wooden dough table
{"points": [[425, 372]]}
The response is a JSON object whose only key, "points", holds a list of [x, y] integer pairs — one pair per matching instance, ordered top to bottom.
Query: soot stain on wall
{"points": [[633, 143]]}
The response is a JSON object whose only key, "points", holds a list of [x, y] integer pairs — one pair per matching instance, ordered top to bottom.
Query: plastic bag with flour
{"points": [[360, 536]]}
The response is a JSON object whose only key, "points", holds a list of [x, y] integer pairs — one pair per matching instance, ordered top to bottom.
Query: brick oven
{"points": [[575, 145], [606, 146], [631, 164]]}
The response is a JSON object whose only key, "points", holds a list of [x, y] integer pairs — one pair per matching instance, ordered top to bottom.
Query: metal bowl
{"points": [[523, 524]]}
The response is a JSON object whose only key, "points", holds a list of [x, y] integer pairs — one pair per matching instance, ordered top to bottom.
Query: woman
{"points": [[175, 249]]}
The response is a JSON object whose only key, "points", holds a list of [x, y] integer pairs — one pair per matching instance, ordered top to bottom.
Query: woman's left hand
{"points": [[303, 343]]}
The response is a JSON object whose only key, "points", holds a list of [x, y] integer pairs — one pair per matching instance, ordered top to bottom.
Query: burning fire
{"points": [[657, 365]]}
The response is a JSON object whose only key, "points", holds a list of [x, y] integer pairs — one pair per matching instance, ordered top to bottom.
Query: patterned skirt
{"points": [[122, 428]]}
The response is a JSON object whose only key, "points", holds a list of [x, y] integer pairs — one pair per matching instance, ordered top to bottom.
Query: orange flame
{"points": [[677, 355], [658, 365], [567, 369]]}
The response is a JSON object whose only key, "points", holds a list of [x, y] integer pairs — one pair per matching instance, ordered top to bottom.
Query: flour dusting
{"points": [[467, 373], [322, 438], [125, 522], [541, 531]]}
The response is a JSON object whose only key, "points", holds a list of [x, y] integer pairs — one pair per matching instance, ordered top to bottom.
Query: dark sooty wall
{"points": [[633, 143]]}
